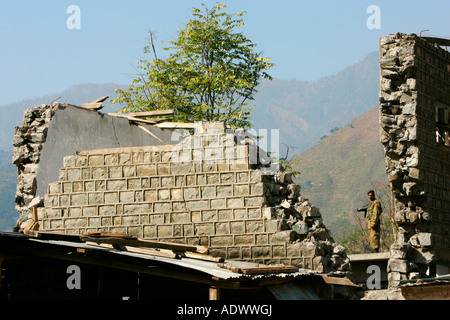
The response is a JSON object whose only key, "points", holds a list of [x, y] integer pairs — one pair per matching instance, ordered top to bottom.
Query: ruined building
{"points": [[415, 132], [86, 171], [81, 172]]}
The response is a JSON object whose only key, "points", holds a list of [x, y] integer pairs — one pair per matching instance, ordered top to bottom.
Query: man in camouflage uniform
{"points": [[373, 215]]}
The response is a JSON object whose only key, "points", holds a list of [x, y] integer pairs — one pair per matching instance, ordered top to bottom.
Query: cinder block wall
{"points": [[415, 82], [49, 132], [215, 197]]}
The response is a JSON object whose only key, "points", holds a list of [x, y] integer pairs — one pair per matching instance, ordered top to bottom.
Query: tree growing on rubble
{"points": [[211, 73]]}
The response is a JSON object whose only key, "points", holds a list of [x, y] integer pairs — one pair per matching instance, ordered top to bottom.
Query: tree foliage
{"points": [[211, 73]]}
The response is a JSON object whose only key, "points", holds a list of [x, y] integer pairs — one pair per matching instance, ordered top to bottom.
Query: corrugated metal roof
{"points": [[206, 267]]}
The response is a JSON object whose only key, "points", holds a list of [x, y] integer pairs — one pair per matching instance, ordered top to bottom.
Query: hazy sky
{"points": [[46, 47]]}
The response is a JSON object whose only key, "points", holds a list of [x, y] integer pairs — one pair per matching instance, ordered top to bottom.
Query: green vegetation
{"points": [[211, 73]]}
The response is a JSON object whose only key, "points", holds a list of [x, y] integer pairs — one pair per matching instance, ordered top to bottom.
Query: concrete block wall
{"points": [[415, 80], [49, 132], [140, 191], [226, 204]]}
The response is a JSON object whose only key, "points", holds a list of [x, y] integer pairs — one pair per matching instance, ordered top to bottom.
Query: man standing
{"points": [[373, 215]]}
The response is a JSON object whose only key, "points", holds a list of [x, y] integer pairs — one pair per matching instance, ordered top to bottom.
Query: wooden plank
{"points": [[95, 104], [153, 113], [144, 114], [131, 118], [139, 120], [156, 120], [174, 125], [149, 132], [109, 234], [134, 242], [148, 251], [153, 252], [200, 256], [228, 267], [258, 269], [269, 269], [337, 280], [426, 292]]}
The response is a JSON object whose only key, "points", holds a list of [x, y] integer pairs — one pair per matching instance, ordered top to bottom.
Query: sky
{"points": [[46, 46]]}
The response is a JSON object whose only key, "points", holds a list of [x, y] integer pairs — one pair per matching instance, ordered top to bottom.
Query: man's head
{"points": [[371, 195]]}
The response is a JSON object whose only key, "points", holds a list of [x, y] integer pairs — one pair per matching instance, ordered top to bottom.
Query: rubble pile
{"points": [[292, 218], [301, 223]]}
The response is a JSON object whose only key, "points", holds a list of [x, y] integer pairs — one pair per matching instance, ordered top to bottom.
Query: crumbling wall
{"points": [[415, 83], [50, 132], [204, 190]]}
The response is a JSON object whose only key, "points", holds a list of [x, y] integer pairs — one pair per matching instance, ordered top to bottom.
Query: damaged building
{"points": [[415, 133], [82, 173], [201, 208]]}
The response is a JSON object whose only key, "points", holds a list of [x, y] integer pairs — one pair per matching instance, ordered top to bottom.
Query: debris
{"points": [[95, 104]]}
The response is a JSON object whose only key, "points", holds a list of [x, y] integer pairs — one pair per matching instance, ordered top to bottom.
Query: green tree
{"points": [[211, 73]]}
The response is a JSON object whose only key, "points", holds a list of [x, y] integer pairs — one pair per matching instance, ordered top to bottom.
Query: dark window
{"points": [[443, 123]]}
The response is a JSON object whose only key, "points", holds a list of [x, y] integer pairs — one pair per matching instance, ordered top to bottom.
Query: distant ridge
{"points": [[302, 111], [306, 111]]}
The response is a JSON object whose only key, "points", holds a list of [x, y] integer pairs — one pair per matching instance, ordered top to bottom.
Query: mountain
{"points": [[306, 111], [337, 172]]}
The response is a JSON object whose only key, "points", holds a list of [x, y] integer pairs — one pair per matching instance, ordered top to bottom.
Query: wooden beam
{"points": [[153, 113], [131, 118], [174, 125], [149, 132], [112, 239], [200, 256], [258, 269], [338, 281]]}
